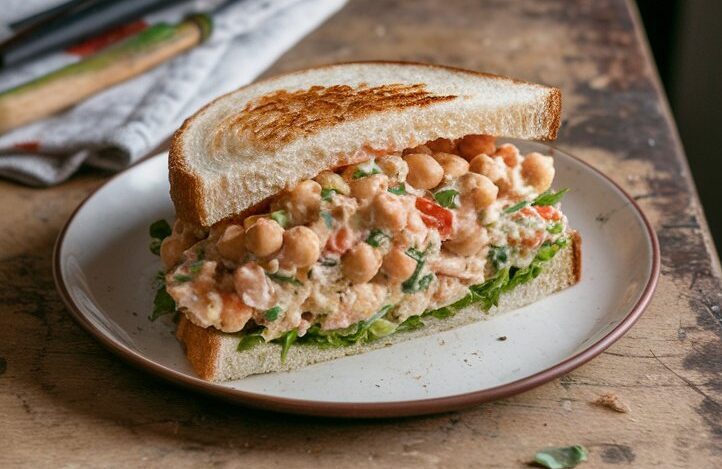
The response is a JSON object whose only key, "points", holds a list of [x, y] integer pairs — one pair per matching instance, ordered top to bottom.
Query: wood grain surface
{"points": [[65, 401]]}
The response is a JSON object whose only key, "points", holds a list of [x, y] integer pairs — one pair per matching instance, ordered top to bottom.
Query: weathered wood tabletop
{"points": [[64, 400]]}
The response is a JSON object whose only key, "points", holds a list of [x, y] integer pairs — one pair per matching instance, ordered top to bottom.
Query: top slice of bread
{"points": [[248, 145]]}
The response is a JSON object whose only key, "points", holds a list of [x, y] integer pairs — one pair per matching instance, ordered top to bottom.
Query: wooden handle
{"points": [[69, 85]]}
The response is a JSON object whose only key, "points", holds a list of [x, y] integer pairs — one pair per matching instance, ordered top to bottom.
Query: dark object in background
{"points": [[70, 23], [686, 39]]}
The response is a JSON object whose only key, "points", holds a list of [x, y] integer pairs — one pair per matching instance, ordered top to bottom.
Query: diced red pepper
{"points": [[548, 212], [435, 216], [340, 241]]}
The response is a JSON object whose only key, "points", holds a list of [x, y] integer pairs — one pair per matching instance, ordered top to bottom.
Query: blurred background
{"points": [[686, 39]]}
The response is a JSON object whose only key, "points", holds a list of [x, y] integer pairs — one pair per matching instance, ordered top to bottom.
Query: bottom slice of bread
{"points": [[214, 357]]}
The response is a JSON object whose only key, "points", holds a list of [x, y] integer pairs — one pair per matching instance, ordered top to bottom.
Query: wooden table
{"points": [[64, 400]]}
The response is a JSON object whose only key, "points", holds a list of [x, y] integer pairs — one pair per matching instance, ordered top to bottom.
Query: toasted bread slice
{"points": [[250, 144], [214, 355]]}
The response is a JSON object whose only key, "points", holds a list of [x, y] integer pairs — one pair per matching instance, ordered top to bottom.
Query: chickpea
{"points": [[443, 145], [473, 145], [419, 149], [510, 154], [486, 165], [454, 166], [394, 167], [424, 171], [538, 171], [331, 180], [367, 187], [479, 189], [305, 201], [389, 211], [217, 230], [264, 237], [468, 240], [231, 244], [301, 247], [171, 251], [361, 263], [398, 266]]}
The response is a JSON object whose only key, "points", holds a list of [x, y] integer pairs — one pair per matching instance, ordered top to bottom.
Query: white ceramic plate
{"points": [[104, 272]]}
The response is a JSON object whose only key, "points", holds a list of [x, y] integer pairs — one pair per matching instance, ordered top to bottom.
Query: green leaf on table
{"points": [[561, 458]]}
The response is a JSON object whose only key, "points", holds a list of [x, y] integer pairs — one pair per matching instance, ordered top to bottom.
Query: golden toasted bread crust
{"points": [[280, 117], [186, 187], [577, 251], [202, 347]]}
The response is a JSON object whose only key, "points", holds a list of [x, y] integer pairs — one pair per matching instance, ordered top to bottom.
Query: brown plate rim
{"points": [[365, 409]]}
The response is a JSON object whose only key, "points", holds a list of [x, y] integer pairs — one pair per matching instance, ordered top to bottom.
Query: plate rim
{"points": [[361, 409]]}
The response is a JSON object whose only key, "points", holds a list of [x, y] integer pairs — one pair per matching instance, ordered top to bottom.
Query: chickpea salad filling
{"points": [[370, 249]]}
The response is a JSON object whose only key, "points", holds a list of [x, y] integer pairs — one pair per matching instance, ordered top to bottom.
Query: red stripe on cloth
{"points": [[111, 36], [30, 147]]}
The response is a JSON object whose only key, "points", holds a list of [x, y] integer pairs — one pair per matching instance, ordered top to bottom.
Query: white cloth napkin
{"points": [[122, 124]]}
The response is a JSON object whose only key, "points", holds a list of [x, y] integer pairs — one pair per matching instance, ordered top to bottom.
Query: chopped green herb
{"points": [[366, 170], [398, 190], [327, 193], [549, 197], [448, 198], [516, 207], [280, 217], [327, 218], [556, 228], [160, 229], [376, 237], [155, 246], [498, 255], [328, 262], [196, 267], [182, 278], [284, 279], [416, 283], [162, 304], [272, 314], [250, 340], [561, 458]]}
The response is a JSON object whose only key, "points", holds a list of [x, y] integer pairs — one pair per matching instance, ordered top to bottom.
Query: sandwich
{"points": [[340, 209]]}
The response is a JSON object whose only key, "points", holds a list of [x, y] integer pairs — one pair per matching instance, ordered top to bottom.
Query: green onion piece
{"points": [[362, 172], [398, 190], [327, 193], [448, 198], [549, 198], [516, 207], [280, 217], [556, 228], [376, 237], [196, 267], [182, 278], [284, 279], [272, 314]]}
